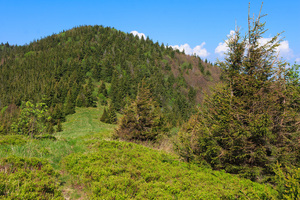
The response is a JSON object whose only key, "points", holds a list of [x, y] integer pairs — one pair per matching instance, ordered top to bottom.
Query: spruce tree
{"points": [[102, 89], [88, 93], [70, 104], [104, 116], [112, 116], [142, 119], [250, 122], [59, 127]]}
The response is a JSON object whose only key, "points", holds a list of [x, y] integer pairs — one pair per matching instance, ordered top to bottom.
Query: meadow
{"points": [[84, 162]]}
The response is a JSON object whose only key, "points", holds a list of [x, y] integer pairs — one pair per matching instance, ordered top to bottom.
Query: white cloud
{"points": [[140, 35], [222, 47], [283, 49], [198, 50], [297, 60]]}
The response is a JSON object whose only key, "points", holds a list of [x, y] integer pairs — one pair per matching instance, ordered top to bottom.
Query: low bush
{"points": [[13, 140], [119, 170], [28, 178], [288, 182]]}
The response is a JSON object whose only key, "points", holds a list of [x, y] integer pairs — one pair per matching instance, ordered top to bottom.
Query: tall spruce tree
{"points": [[250, 122]]}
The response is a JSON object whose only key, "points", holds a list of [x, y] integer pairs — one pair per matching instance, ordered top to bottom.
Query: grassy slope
{"points": [[93, 166]]}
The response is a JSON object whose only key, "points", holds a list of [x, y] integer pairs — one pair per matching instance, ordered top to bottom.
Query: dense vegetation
{"points": [[61, 71], [73, 105], [250, 122], [92, 165], [119, 170]]}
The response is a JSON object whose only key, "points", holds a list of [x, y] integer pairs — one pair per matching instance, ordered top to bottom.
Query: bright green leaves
{"points": [[33, 120], [28, 178]]}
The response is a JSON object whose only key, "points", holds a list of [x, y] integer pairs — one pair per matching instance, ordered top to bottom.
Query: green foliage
{"points": [[66, 65], [201, 67], [207, 73], [102, 89], [88, 93], [192, 94], [102, 99], [80, 100], [70, 104], [58, 113], [111, 114], [104, 116], [142, 119], [32, 120], [251, 122], [59, 126], [13, 140], [94, 167], [119, 170], [28, 178], [288, 182]]}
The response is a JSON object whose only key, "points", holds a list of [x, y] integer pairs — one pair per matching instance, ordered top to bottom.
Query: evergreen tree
{"points": [[102, 89], [115, 91], [88, 93], [70, 104], [58, 114], [112, 116], [104, 118], [142, 120], [250, 123], [59, 127]]}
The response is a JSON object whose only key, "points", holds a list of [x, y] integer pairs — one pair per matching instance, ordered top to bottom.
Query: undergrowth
{"points": [[83, 162], [120, 170], [28, 178]]}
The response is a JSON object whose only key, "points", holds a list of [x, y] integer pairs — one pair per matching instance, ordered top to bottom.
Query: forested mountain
{"points": [[62, 70], [247, 124]]}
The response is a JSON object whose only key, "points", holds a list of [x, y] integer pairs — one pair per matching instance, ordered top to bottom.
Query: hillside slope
{"points": [[48, 69], [87, 163]]}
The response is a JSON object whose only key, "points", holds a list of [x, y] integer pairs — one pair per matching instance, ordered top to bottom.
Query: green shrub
{"points": [[13, 140], [119, 170], [28, 178], [288, 182]]}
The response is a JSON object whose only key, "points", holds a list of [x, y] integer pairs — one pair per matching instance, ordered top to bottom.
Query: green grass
{"points": [[84, 123], [88, 164]]}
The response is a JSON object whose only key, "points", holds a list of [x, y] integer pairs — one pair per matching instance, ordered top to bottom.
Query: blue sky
{"points": [[197, 26]]}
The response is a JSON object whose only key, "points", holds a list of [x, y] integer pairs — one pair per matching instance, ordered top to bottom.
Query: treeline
{"points": [[62, 70]]}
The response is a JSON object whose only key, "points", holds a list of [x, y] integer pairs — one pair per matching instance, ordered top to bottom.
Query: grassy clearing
{"points": [[84, 123], [88, 164]]}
